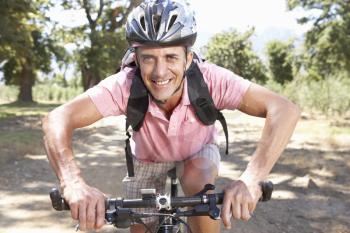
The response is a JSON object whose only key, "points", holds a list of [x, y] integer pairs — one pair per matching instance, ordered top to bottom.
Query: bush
{"points": [[8, 93], [41, 93], [54, 93], [329, 96]]}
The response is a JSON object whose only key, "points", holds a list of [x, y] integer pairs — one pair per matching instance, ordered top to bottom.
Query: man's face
{"points": [[162, 69]]}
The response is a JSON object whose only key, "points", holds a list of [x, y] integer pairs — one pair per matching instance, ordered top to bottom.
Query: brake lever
{"points": [[206, 188], [119, 217]]}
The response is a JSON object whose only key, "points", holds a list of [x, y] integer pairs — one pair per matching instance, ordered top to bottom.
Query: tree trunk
{"points": [[89, 79], [26, 83]]}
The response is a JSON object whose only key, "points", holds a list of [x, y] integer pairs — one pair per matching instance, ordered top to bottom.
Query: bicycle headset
{"points": [[164, 23]]}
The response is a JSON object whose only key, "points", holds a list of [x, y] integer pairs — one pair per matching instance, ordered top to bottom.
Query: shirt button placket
{"points": [[174, 119]]}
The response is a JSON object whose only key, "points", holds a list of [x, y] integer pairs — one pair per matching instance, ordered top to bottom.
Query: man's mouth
{"points": [[161, 82]]}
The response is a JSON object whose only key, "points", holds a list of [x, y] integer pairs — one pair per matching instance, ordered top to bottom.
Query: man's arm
{"points": [[281, 118], [86, 203]]}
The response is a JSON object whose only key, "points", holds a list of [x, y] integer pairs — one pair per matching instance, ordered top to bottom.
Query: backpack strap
{"points": [[199, 96], [202, 101], [137, 103], [135, 114], [222, 120], [128, 154]]}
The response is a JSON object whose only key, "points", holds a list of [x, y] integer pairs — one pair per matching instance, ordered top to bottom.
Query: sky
{"points": [[270, 19]]}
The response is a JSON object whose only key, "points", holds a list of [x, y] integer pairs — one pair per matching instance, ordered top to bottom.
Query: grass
{"points": [[17, 109], [336, 130], [20, 132], [21, 142]]}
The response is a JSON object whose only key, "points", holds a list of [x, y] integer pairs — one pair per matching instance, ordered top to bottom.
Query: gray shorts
{"points": [[154, 175]]}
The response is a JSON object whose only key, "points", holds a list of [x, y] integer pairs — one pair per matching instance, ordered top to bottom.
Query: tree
{"points": [[328, 41], [101, 43], [24, 46], [234, 52], [280, 59]]}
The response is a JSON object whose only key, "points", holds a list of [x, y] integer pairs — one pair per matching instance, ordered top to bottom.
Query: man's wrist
{"points": [[251, 179], [71, 181]]}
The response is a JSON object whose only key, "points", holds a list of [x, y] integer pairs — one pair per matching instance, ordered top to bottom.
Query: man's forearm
{"points": [[279, 126], [59, 152]]}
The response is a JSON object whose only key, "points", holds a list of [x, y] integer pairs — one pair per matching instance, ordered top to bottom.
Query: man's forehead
{"points": [[161, 50]]}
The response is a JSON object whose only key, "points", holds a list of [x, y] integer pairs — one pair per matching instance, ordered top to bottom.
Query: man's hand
{"points": [[240, 201], [87, 205]]}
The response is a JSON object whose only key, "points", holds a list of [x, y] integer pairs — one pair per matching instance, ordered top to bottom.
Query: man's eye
{"points": [[172, 58], [147, 59]]}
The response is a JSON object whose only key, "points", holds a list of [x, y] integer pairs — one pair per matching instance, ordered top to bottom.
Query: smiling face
{"points": [[162, 70]]}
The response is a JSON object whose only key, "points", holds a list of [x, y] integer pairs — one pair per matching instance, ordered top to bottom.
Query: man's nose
{"points": [[160, 69]]}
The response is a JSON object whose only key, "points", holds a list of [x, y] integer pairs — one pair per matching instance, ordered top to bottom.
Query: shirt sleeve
{"points": [[227, 89], [111, 95]]}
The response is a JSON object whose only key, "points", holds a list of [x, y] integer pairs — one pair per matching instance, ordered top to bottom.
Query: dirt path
{"points": [[311, 179]]}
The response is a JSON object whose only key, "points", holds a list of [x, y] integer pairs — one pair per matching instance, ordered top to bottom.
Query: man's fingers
{"points": [[87, 205], [251, 207], [236, 209], [74, 210], [226, 212], [100, 214], [245, 214], [91, 215], [82, 216]]}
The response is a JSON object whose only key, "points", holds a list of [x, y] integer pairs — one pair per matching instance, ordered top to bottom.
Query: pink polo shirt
{"points": [[160, 139]]}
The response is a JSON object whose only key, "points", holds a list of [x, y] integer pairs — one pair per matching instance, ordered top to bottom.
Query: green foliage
{"points": [[12, 31], [328, 41], [100, 43], [25, 47], [233, 51], [104, 57], [280, 59], [329, 96]]}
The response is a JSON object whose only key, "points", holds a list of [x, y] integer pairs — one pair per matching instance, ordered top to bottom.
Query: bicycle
{"points": [[119, 210]]}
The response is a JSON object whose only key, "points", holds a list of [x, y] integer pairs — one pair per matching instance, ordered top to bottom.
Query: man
{"points": [[162, 32]]}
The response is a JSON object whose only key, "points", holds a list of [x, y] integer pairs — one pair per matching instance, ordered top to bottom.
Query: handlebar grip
{"points": [[266, 188], [58, 202]]}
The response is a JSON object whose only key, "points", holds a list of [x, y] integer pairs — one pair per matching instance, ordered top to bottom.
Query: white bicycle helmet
{"points": [[161, 23]]}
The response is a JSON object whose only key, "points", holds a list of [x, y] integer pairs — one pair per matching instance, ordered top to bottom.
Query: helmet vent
{"points": [[142, 21], [172, 21], [156, 22]]}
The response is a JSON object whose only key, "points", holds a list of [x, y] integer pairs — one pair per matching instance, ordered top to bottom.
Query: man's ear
{"points": [[135, 59], [189, 59]]}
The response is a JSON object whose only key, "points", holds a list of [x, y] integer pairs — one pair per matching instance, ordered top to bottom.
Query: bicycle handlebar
{"points": [[154, 201], [119, 210]]}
